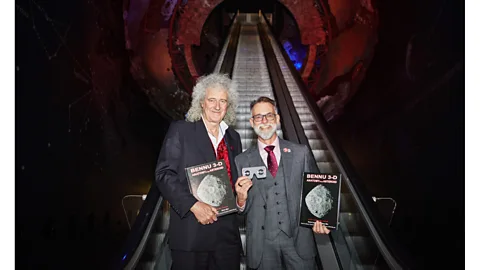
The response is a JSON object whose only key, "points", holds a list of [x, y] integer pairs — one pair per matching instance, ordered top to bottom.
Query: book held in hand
{"points": [[209, 183], [320, 199]]}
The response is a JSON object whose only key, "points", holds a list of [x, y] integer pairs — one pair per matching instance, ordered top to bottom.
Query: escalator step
{"points": [[317, 144]]}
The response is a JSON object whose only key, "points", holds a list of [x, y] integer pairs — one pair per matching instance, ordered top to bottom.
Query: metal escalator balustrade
{"points": [[218, 65], [146, 240], [349, 242], [358, 243]]}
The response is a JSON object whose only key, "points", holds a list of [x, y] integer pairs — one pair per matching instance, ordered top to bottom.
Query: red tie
{"points": [[222, 153], [271, 160]]}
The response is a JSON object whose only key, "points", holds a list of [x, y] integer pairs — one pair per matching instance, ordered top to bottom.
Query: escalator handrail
{"points": [[229, 32], [231, 52], [278, 89], [138, 236], [394, 254]]}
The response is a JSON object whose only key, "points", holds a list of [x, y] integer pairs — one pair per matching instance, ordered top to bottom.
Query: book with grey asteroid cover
{"points": [[209, 183], [320, 199]]}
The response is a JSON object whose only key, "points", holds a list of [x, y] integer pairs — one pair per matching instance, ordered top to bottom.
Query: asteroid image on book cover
{"points": [[212, 190], [319, 201]]}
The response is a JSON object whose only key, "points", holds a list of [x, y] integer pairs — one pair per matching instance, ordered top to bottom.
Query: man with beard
{"points": [[272, 205]]}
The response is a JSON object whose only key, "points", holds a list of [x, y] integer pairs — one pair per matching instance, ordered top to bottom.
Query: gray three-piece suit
{"points": [[272, 211]]}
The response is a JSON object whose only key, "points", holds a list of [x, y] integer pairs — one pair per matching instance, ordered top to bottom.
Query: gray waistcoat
{"points": [[276, 218]]}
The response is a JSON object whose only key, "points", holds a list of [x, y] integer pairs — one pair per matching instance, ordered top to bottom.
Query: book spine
{"points": [[188, 181], [301, 200], [338, 201], [233, 210]]}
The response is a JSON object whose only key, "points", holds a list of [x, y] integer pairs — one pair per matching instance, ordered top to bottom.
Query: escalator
{"points": [[260, 67]]}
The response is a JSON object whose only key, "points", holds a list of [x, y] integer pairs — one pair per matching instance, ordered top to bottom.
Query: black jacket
{"points": [[187, 144]]}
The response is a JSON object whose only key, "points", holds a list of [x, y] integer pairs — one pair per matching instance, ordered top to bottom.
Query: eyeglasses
{"points": [[259, 117]]}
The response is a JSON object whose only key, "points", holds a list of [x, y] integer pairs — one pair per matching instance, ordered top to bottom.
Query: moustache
{"points": [[265, 125]]}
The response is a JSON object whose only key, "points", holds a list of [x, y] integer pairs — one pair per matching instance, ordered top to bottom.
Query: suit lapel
{"points": [[205, 148], [255, 160], [287, 164], [290, 182]]}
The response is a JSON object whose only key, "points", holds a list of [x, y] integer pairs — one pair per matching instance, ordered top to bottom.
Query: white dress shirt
{"points": [[221, 132]]}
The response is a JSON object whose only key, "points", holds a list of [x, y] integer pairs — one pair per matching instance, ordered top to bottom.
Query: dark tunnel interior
{"points": [[91, 115]]}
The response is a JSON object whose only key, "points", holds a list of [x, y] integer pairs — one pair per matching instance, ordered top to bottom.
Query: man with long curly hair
{"points": [[198, 238]]}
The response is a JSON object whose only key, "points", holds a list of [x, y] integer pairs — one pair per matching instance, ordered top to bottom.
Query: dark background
{"points": [[406, 138], [83, 144]]}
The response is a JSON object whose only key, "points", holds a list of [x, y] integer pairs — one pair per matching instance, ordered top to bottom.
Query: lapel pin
{"points": [[286, 150]]}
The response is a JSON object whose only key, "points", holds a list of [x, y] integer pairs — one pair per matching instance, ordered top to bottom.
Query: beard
{"points": [[265, 134]]}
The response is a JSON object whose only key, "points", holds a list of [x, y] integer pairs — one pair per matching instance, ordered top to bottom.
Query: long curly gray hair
{"points": [[200, 89]]}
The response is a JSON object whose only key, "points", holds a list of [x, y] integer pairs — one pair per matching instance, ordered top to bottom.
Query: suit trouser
{"points": [[280, 253], [226, 258]]}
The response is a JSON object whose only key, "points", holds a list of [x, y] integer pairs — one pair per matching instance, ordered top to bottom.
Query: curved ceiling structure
{"points": [[165, 40]]}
